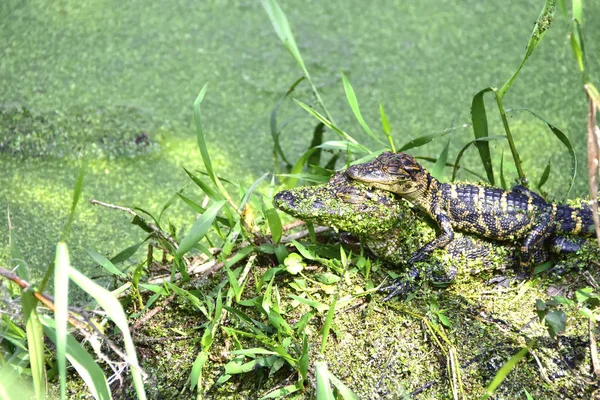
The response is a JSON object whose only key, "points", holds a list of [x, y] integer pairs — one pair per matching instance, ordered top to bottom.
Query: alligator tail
{"points": [[575, 221]]}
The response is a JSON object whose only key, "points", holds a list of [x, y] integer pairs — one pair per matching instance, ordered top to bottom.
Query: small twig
{"points": [[152, 226], [152, 313], [149, 340], [594, 349], [540, 366]]}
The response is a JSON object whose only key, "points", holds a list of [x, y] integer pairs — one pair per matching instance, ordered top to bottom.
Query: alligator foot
{"points": [[402, 285]]}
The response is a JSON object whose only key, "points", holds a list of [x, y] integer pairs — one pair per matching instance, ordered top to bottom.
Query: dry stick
{"points": [[42, 298], [86, 327]]}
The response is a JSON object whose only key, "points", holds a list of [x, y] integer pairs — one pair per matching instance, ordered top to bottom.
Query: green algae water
{"points": [[113, 84]]}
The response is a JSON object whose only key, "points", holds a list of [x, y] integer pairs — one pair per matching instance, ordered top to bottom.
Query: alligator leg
{"points": [[523, 190], [536, 239], [439, 242], [566, 244]]}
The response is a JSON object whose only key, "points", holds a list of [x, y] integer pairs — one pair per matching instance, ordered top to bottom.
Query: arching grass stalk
{"points": [[284, 31], [478, 114]]}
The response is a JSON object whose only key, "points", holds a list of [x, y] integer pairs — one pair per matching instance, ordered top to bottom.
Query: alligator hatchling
{"points": [[520, 215], [392, 230]]}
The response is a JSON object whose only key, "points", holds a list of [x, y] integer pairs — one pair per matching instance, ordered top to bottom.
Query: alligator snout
{"points": [[284, 198]]}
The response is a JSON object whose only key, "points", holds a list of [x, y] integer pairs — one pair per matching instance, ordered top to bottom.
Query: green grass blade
{"points": [[577, 10], [539, 30], [284, 31], [577, 46], [353, 102], [329, 124], [387, 129], [480, 129], [275, 131], [422, 140], [565, 141], [202, 146], [465, 147], [438, 168], [297, 169], [545, 174], [502, 180], [76, 196], [275, 225], [67, 228], [199, 229], [127, 253], [17, 260], [104, 262], [61, 302], [115, 312], [327, 325], [35, 343], [82, 361], [503, 372], [196, 374], [343, 390], [324, 391], [282, 392]]}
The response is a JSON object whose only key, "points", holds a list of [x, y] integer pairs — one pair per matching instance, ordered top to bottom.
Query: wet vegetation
{"points": [[243, 301]]}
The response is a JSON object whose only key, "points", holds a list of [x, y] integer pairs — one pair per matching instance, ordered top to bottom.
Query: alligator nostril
{"points": [[284, 196]]}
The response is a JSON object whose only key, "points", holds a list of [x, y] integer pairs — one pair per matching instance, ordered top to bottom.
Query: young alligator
{"points": [[518, 215], [391, 229]]}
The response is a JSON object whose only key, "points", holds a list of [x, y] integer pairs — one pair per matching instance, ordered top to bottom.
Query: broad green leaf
{"points": [[284, 31], [577, 45], [480, 129], [297, 168], [502, 180], [199, 229], [293, 263], [114, 311], [61, 312], [556, 321], [253, 351]]}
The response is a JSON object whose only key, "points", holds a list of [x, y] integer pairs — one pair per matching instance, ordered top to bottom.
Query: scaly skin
{"points": [[519, 215], [390, 228]]}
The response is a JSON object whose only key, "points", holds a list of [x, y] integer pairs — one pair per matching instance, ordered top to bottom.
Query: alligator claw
{"points": [[402, 285]]}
